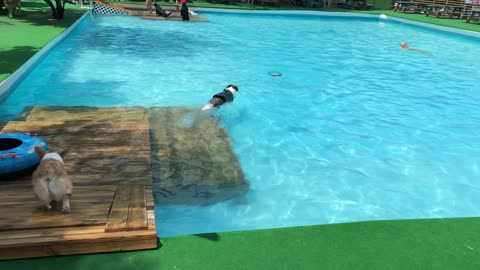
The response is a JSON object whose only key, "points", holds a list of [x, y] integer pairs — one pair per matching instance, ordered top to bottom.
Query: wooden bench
{"points": [[472, 14]]}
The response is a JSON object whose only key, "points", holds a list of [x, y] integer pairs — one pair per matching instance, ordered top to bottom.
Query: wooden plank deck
{"points": [[108, 152]]}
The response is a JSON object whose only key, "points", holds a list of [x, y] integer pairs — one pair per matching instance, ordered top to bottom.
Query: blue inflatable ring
{"points": [[17, 152]]}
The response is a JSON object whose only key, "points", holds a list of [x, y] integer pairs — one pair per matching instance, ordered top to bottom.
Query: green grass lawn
{"points": [[22, 37]]}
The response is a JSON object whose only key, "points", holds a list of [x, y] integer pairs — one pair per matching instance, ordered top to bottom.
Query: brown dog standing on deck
{"points": [[50, 180]]}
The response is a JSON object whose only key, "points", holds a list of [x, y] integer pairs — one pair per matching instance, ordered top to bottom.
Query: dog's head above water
{"points": [[50, 154]]}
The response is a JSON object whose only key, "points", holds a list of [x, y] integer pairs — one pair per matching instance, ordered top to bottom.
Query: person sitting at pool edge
{"points": [[160, 11], [406, 47], [221, 98]]}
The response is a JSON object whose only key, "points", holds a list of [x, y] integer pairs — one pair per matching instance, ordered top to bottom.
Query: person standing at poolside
{"points": [[148, 4], [327, 4], [177, 6]]}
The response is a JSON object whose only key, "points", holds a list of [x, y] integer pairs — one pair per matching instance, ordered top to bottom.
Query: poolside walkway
{"points": [[112, 202]]}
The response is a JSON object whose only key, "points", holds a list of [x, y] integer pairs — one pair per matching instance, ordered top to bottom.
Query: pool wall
{"points": [[9, 84]]}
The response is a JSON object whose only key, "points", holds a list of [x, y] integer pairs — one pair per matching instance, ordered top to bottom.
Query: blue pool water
{"points": [[355, 129]]}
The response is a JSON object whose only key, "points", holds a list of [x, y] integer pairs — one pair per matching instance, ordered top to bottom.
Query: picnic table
{"points": [[354, 4], [409, 5], [433, 8], [450, 10], [453, 10], [472, 13]]}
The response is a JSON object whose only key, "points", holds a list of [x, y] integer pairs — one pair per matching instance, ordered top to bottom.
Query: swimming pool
{"points": [[355, 129]]}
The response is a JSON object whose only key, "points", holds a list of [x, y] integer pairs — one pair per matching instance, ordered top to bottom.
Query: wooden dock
{"points": [[141, 11], [115, 156], [112, 204]]}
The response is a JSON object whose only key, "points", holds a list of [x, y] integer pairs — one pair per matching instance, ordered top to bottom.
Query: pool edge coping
{"points": [[346, 15], [448, 29], [7, 85]]}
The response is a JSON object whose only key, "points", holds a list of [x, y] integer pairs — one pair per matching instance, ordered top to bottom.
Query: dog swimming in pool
{"points": [[226, 96]]}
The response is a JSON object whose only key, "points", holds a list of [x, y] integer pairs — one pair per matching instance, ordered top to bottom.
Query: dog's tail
{"points": [[52, 173], [60, 183], [40, 187]]}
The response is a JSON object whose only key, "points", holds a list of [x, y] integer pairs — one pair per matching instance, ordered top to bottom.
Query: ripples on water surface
{"points": [[355, 129]]}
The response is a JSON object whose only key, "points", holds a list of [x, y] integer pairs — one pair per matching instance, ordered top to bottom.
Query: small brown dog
{"points": [[13, 6], [50, 180]]}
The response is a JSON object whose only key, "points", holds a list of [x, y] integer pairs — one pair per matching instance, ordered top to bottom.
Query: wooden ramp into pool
{"points": [[192, 158], [112, 203]]}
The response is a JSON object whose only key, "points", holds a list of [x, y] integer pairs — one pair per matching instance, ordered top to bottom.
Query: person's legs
{"points": [[329, 3], [148, 4]]}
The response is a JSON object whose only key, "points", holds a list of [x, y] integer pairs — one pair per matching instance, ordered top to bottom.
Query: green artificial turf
{"points": [[23, 36], [436, 244]]}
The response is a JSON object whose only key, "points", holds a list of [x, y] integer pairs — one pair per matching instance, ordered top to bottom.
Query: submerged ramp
{"points": [[192, 159], [112, 204]]}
